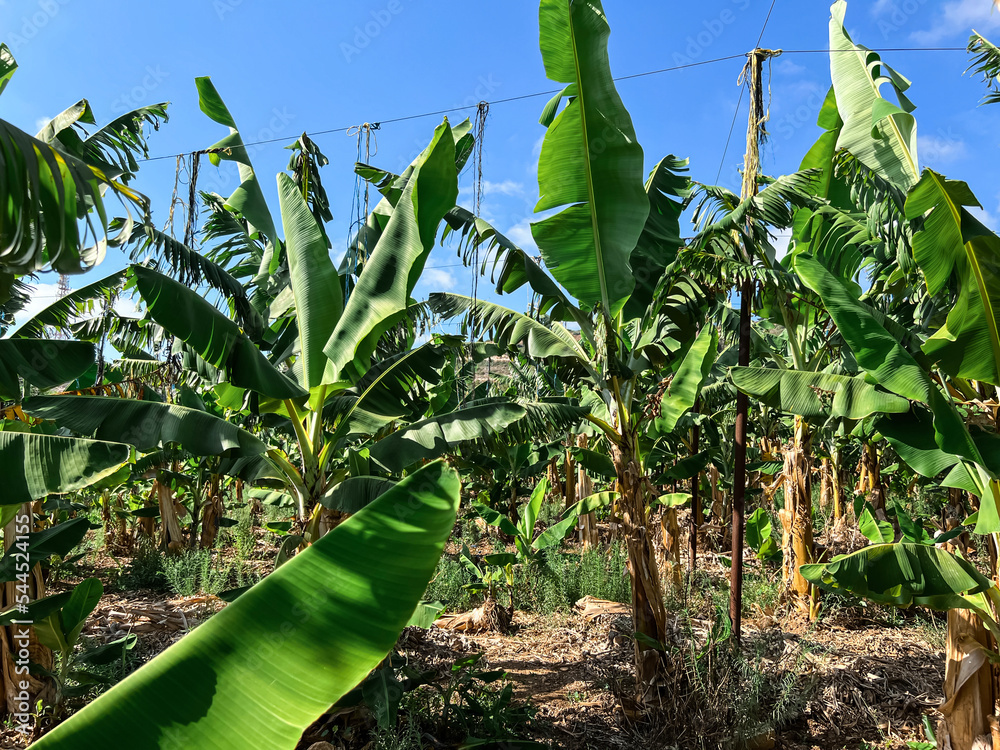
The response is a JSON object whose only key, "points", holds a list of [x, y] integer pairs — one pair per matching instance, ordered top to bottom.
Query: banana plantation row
{"points": [[261, 375]]}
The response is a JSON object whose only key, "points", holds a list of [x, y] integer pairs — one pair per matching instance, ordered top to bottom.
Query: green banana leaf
{"points": [[880, 134], [591, 164], [669, 190], [248, 199], [952, 243], [382, 294], [319, 298], [61, 313], [510, 328], [218, 340], [881, 356], [42, 363], [688, 380], [796, 392], [145, 424], [431, 438], [34, 466], [903, 575], [263, 669]]}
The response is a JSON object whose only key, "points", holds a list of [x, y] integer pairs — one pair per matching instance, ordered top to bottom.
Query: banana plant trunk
{"points": [[870, 481], [796, 517], [173, 538], [648, 613], [18, 643], [969, 690]]}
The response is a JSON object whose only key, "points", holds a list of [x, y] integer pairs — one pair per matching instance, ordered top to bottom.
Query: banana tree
{"points": [[612, 246]]}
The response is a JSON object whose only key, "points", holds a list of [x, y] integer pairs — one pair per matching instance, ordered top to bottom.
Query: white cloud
{"points": [[958, 18], [790, 68], [940, 149], [520, 234], [781, 243], [438, 279]]}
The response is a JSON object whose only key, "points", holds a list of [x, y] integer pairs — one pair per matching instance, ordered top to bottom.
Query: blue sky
{"points": [[284, 68]]}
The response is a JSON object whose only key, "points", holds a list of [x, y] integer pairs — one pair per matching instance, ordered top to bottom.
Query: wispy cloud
{"points": [[957, 18], [789, 67], [940, 149], [520, 234], [438, 279]]}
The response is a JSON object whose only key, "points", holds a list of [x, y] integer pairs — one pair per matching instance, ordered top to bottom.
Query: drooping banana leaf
{"points": [[986, 61], [881, 134], [591, 164], [669, 191], [952, 243], [157, 249], [382, 294], [319, 298], [62, 312], [509, 328], [217, 339], [881, 356], [43, 363], [817, 394], [146, 424], [431, 438], [34, 466], [903, 575], [263, 669]]}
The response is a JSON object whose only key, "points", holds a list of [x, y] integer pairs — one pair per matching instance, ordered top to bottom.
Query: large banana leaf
{"points": [[880, 134], [591, 163], [248, 199], [952, 243], [382, 294], [319, 299], [217, 339], [884, 358], [41, 362], [688, 379], [817, 394], [145, 424], [431, 438], [34, 466], [903, 575], [268, 665]]}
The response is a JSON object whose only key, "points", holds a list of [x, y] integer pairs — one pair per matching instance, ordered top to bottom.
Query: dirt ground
{"points": [[867, 680]]}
